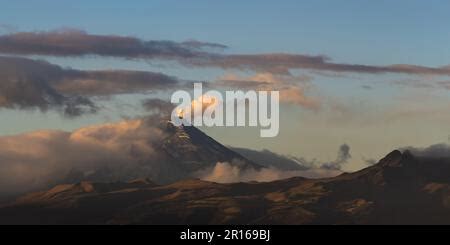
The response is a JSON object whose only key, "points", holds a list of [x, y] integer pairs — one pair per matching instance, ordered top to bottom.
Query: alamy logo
{"points": [[251, 108]]}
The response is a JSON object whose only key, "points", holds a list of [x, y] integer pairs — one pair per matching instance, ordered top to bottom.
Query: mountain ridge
{"points": [[399, 189]]}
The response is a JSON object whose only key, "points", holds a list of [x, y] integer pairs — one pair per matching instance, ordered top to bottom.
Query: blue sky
{"points": [[355, 32]]}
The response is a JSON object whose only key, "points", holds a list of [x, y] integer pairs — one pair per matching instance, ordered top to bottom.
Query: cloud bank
{"points": [[71, 42], [50, 86], [121, 151], [107, 152], [276, 167]]}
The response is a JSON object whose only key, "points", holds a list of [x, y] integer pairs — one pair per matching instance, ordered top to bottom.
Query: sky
{"points": [[373, 112]]}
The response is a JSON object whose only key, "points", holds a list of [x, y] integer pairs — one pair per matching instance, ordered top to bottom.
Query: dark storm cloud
{"points": [[69, 42], [26, 83]]}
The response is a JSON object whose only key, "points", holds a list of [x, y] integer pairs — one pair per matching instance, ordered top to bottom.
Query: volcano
{"points": [[193, 150], [180, 153], [400, 189]]}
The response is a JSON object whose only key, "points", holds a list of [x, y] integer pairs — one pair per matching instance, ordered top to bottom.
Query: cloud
{"points": [[72, 42], [202, 45], [271, 63], [282, 63], [110, 82], [27, 84], [292, 88], [158, 106], [128, 150], [440, 150], [122, 151], [106, 152], [342, 157], [270, 159], [313, 166], [276, 167], [224, 172]]}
